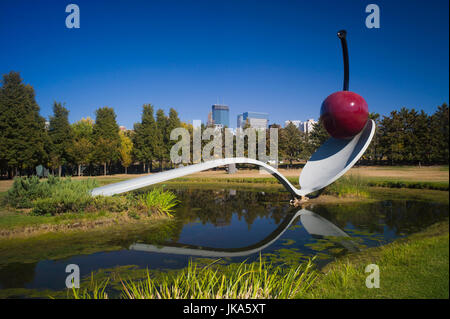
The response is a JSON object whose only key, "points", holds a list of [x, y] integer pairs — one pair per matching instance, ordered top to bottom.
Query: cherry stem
{"points": [[341, 35]]}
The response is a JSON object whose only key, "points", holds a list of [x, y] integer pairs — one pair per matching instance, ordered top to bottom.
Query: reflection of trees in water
{"points": [[218, 206], [400, 216], [16, 275]]}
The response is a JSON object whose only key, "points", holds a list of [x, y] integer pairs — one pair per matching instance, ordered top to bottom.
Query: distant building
{"points": [[221, 115], [210, 119], [254, 119], [240, 121], [296, 123], [306, 127], [122, 128]]}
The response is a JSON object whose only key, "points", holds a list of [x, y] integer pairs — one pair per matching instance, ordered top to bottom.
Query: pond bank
{"points": [[20, 224]]}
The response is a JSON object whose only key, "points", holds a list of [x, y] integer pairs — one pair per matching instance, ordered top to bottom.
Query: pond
{"points": [[231, 224]]}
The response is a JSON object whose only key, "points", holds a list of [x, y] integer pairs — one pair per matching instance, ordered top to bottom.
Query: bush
{"points": [[159, 200], [112, 204]]}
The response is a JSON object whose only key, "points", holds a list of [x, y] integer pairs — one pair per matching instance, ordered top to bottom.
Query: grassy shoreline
{"points": [[413, 267]]}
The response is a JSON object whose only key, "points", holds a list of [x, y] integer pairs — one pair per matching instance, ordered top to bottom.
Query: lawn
{"points": [[414, 267]]}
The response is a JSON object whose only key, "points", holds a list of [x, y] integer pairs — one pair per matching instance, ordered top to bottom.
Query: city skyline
{"points": [[279, 56]]}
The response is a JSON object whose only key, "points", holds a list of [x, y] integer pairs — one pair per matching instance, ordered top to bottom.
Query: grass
{"points": [[348, 186], [159, 200], [415, 267], [258, 280]]}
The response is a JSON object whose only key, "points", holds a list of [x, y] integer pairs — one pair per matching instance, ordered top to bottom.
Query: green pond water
{"points": [[227, 224]]}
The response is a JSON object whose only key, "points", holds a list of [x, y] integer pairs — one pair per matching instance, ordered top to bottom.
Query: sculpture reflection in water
{"points": [[313, 223]]}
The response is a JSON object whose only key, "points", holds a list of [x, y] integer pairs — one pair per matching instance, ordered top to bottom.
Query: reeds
{"points": [[348, 186], [159, 200], [258, 280]]}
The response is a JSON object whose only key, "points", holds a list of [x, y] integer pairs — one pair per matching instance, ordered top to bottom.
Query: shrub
{"points": [[111, 204]]}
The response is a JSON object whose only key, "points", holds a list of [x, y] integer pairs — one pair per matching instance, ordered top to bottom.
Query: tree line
{"points": [[406, 136], [26, 140]]}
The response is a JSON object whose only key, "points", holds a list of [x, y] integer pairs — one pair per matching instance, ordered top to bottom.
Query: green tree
{"points": [[173, 122], [22, 129], [439, 134], [60, 136], [317, 136], [106, 137], [145, 137], [391, 137], [161, 138], [293, 143], [82, 147], [422, 148], [125, 151], [372, 153]]}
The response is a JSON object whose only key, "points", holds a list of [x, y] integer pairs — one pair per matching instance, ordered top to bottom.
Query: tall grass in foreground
{"points": [[159, 200], [236, 281]]}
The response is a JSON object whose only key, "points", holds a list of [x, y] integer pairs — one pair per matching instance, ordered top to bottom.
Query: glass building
{"points": [[221, 115], [254, 119]]}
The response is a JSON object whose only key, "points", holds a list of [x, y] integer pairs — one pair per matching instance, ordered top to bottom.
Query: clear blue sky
{"points": [[279, 57]]}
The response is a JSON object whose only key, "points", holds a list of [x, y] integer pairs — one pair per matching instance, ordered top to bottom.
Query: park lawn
{"points": [[412, 267]]}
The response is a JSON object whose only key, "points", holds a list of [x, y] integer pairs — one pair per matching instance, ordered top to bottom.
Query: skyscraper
{"points": [[220, 115], [254, 119], [240, 121]]}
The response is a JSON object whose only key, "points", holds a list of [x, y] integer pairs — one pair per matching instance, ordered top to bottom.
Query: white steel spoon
{"points": [[328, 163]]}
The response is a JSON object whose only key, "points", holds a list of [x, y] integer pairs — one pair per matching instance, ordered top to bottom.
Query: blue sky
{"points": [[279, 57]]}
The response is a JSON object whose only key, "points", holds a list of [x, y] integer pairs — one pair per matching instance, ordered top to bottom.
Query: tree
{"points": [[173, 122], [22, 129], [439, 134], [60, 136], [317, 136], [106, 137], [145, 137], [161, 138], [293, 142], [82, 147], [422, 148], [125, 151], [373, 152]]}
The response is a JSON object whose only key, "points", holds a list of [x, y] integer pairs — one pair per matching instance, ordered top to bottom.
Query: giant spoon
{"points": [[330, 161]]}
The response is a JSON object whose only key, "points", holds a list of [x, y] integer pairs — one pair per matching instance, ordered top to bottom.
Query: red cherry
{"points": [[344, 114]]}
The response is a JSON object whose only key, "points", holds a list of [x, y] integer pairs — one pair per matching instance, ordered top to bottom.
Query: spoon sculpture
{"points": [[344, 115], [314, 224]]}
